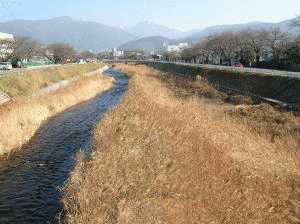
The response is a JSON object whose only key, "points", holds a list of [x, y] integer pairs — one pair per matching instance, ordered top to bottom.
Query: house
{"points": [[6, 45]]}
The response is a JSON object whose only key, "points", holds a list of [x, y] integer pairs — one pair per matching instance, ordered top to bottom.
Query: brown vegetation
{"points": [[29, 82], [184, 87], [21, 118], [262, 119], [267, 121], [162, 159]]}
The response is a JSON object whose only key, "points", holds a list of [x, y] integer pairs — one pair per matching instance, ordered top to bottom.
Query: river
{"points": [[31, 180]]}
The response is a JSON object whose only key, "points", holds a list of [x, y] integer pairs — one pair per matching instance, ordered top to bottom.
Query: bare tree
{"points": [[277, 41], [253, 42], [223, 47], [6, 48], [25, 49], [199, 52], [61, 53], [188, 54], [171, 56]]}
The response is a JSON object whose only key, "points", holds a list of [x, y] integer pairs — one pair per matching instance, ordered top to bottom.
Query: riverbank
{"points": [[28, 82], [259, 86], [25, 113], [175, 152]]}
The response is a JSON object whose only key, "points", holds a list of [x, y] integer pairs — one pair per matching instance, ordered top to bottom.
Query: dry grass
{"points": [[16, 85], [185, 87], [21, 118], [262, 119], [270, 123], [163, 159]]}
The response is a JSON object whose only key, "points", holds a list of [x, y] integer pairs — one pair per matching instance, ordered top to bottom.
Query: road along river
{"points": [[30, 181]]}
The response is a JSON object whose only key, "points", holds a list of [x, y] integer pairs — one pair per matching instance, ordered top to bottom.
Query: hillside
{"points": [[284, 26], [147, 29], [81, 34], [159, 34], [85, 35], [148, 44]]}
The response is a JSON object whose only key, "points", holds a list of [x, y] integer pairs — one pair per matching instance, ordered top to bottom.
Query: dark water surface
{"points": [[30, 182]]}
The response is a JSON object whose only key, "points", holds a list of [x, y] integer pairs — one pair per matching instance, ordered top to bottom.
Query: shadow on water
{"points": [[30, 181]]}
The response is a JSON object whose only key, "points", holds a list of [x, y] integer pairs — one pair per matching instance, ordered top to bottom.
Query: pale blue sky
{"points": [[182, 14]]}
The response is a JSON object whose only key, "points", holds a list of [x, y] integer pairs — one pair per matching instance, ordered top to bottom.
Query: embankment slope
{"points": [[28, 82], [24, 114], [160, 158]]}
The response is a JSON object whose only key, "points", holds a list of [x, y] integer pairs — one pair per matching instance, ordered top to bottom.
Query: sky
{"points": [[180, 14]]}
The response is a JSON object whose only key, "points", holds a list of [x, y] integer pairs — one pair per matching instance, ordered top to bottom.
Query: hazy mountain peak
{"points": [[62, 18], [284, 26], [148, 29], [83, 35], [147, 44]]}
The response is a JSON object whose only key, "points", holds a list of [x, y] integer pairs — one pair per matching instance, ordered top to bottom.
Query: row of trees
{"points": [[263, 48], [22, 49]]}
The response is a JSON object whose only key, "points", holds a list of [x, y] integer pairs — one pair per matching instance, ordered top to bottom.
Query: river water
{"points": [[30, 182]]}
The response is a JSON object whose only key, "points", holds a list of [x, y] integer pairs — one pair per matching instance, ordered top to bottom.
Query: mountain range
{"points": [[284, 26], [148, 29], [80, 34], [85, 35], [196, 35], [147, 44]]}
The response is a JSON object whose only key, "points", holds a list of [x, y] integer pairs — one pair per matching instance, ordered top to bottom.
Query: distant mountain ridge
{"points": [[284, 26], [149, 29], [82, 35], [196, 36], [147, 44]]}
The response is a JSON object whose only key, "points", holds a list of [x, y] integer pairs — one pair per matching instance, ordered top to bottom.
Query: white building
{"points": [[6, 41], [177, 48]]}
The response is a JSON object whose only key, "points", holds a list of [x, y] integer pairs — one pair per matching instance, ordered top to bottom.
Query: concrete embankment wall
{"points": [[285, 89], [21, 118]]}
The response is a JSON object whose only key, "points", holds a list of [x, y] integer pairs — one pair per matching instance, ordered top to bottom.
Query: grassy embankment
{"points": [[31, 81], [23, 115], [175, 152]]}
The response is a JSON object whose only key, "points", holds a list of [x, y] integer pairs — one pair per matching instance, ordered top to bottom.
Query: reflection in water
{"points": [[29, 183]]}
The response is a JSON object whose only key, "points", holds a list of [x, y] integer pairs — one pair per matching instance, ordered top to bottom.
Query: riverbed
{"points": [[31, 180]]}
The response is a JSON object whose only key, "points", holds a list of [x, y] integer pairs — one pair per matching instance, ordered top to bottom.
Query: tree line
{"points": [[260, 48], [24, 49]]}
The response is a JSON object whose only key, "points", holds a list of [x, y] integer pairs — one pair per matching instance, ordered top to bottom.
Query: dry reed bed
{"points": [[29, 82], [21, 118], [260, 118], [161, 159]]}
